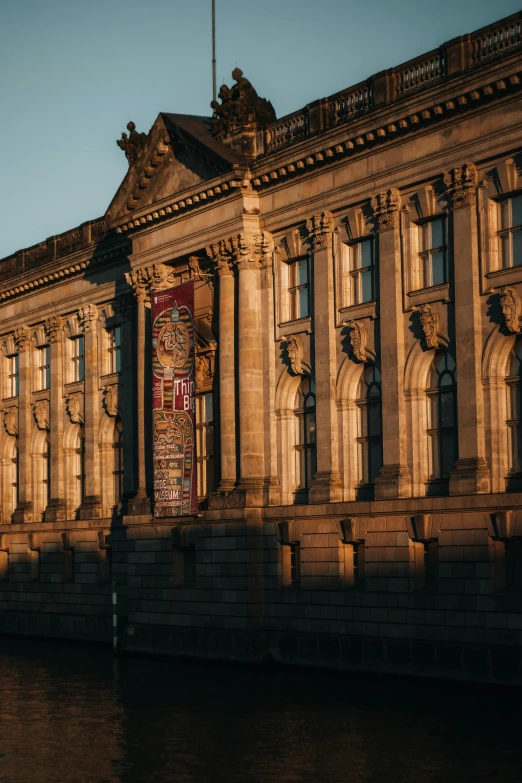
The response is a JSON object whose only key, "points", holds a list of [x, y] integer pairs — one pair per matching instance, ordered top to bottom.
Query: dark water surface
{"points": [[70, 714]]}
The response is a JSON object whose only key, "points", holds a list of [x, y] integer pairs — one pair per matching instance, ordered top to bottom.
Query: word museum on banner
{"points": [[173, 402]]}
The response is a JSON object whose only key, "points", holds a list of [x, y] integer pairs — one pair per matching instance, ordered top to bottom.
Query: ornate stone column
{"points": [[220, 254], [142, 281], [471, 473], [394, 480], [326, 484], [91, 507], [24, 510], [56, 511]]}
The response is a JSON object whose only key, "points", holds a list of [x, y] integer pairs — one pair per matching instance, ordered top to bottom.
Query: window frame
{"points": [[506, 232], [424, 254], [353, 271], [295, 288], [114, 349], [77, 358], [44, 370], [13, 375], [205, 437], [365, 441], [305, 448], [437, 483]]}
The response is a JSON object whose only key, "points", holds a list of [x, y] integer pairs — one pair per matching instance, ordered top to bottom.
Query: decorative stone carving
{"points": [[240, 106], [132, 144], [461, 185], [386, 206], [320, 229], [264, 247], [246, 251], [219, 253], [195, 271], [147, 279], [510, 304], [87, 317], [430, 324], [53, 328], [22, 338], [358, 338], [294, 350], [202, 371], [110, 400], [74, 408], [41, 415], [10, 421]]}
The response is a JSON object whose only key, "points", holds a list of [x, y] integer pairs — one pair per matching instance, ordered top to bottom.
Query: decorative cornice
{"points": [[461, 185], [386, 206], [320, 230], [510, 305], [87, 317], [430, 323], [53, 328], [22, 338], [358, 339]]}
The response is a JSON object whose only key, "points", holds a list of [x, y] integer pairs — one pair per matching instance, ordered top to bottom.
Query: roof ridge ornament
{"points": [[240, 106], [132, 144]]}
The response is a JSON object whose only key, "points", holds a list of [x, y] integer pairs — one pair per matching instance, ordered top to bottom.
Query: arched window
{"points": [[514, 388], [442, 421], [369, 430], [305, 449], [117, 462], [79, 470], [46, 474], [14, 478]]}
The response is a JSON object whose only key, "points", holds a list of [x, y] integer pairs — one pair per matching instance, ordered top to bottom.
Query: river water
{"points": [[71, 714]]}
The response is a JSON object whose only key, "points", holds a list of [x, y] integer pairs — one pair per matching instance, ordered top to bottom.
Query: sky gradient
{"points": [[72, 74]]}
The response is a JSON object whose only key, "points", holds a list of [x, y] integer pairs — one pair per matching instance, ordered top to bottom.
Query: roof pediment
{"points": [[178, 153]]}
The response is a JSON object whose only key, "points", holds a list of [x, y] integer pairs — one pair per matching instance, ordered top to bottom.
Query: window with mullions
{"points": [[510, 234], [432, 253], [360, 271], [299, 288], [114, 349], [78, 366], [44, 367], [12, 375], [442, 418], [514, 423], [369, 438], [205, 443], [306, 458], [117, 463], [79, 468], [46, 474]]}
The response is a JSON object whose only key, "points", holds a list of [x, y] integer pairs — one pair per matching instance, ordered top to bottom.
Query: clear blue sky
{"points": [[74, 72]]}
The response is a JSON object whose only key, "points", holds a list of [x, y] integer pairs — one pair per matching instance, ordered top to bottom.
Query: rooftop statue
{"points": [[240, 105], [132, 144]]}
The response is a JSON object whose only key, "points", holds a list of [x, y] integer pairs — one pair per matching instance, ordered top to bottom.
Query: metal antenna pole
{"points": [[214, 88]]}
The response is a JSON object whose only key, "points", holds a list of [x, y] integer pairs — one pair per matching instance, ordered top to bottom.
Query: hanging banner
{"points": [[173, 402]]}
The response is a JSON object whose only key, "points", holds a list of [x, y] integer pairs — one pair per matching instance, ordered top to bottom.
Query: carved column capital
{"points": [[461, 185], [386, 205], [320, 229], [242, 249], [219, 254], [147, 279], [510, 304], [87, 317], [430, 324], [53, 328], [22, 338], [358, 338]]}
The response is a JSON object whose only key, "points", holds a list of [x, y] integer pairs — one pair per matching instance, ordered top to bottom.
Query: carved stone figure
{"points": [[240, 106], [132, 144], [461, 185], [386, 206], [320, 229], [195, 271], [510, 304], [429, 322], [358, 338], [294, 350], [202, 370], [110, 400], [74, 409], [40, 414], [10, 422]]}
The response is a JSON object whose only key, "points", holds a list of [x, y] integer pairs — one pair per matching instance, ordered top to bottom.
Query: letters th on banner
{"points": [[173, 402]]}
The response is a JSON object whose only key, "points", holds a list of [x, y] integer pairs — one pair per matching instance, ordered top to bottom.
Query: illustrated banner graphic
{"points": [[173, 402]]}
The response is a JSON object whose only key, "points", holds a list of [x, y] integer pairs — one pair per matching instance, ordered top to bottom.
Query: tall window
{"points": [[510, 234], [432, 253], [360, 271], [299, 288], [115, 349], [78, 366], [44, 367], [12, 375], [514, 387], [442, 417], [369, 438], [205, 444], [306, 457], [117, 462], [79, 471], [46, 473], [15, 483]]}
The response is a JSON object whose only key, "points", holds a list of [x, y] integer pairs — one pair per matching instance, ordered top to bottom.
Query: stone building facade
{"points": [[358, 284]]}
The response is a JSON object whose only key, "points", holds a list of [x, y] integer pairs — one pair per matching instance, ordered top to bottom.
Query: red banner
{"points": [[173, 402]]}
